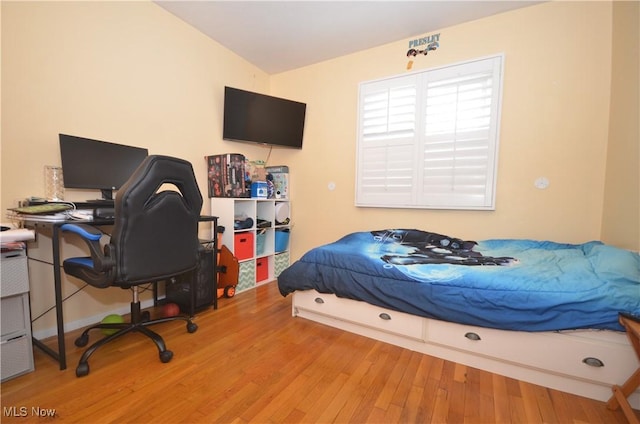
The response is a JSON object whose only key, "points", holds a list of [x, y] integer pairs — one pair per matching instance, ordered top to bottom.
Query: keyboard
{"points": [[102, 202]]}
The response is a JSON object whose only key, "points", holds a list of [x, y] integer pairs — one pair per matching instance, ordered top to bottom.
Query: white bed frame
{"points": [[583, 362]]}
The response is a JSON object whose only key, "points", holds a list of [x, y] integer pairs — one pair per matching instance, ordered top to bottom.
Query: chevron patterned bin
{"points": [[281, 262], [246, 275]]}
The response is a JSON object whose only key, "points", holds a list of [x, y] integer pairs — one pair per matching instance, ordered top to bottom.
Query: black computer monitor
{"points": [[94, 164]]}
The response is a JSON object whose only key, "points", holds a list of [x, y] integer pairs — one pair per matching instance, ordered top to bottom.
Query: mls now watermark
{"points": [[23, 411]]}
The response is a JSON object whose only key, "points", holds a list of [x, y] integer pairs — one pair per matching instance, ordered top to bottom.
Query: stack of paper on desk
{"points": [[54, 217]]}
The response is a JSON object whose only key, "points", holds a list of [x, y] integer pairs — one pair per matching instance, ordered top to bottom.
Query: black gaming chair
{"points": [[154, 238]]}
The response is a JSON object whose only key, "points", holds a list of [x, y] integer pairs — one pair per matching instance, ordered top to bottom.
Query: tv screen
{"points": [[258, 118], [93, 164]]}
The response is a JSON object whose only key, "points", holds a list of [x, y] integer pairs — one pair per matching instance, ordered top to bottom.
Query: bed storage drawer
{"points": [[361, 313], [572, 353]]}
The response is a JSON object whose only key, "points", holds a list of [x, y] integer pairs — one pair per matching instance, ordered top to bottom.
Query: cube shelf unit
{"points": [[262, 253]]}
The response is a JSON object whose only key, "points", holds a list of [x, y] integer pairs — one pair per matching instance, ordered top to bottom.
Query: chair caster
{"points": [[146, 316], [191, 327], [82, 341], [165, 356], [82, 369]]}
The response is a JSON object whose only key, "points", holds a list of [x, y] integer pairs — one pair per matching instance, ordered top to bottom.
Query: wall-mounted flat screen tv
{"points": [[258, 118]]}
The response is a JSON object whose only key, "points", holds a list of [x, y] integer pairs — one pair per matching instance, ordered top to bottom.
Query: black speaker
{"points": [[178, 289]]}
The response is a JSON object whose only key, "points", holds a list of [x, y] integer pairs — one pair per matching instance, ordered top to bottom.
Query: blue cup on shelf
{"points": [[259, 190]]}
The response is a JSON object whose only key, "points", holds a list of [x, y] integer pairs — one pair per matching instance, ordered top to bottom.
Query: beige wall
{"points": [[126, 72], [129, 72], [555, 116], [621, 215]]}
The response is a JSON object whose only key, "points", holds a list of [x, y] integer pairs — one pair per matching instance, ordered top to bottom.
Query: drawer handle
{"points": [[318, 300], [385, 316], [472, 336], [593, 362]]}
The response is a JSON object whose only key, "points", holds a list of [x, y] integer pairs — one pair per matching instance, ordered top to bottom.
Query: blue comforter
{"points": [[540, 286]]}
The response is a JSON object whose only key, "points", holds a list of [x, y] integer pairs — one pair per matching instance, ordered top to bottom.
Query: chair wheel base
{"points": [[137, 326], [82, 340], [166, 356], [82, 369]]}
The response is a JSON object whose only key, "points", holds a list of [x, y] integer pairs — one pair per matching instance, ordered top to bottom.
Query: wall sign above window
{"points": [[423, 46]]}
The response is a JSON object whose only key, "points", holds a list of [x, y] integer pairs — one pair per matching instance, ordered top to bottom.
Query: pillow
{"points": [[612, 263]]}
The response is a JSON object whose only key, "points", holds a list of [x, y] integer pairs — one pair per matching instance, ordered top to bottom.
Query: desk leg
{"points": [[215, 253], [193, 277], [58, 293], [60, 355]]}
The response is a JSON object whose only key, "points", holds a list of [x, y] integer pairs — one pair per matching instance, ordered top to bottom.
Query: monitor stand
{"points": [[107, 194], [107, 198], [106, 201]]}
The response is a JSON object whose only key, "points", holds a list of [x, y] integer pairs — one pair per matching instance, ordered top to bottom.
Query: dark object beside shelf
{"points": [[178, 289]]}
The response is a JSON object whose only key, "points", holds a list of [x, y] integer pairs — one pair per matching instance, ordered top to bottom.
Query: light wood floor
{"points": [[250, 361]]}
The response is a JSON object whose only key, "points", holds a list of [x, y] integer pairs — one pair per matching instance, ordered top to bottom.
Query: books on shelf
{"points": [[226, 175]]}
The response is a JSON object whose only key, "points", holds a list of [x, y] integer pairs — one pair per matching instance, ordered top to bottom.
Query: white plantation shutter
{"points": [[429, 140], [386, 148]]}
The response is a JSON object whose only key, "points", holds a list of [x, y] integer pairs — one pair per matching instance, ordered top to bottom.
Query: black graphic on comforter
{"points": [[432, 248]]}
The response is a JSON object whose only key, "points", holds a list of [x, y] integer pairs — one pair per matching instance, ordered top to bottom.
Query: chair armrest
{"points": [[85, 231], [92, 236]]}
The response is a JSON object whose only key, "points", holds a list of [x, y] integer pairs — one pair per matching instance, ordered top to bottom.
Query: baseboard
{"points": [[84, 322]]}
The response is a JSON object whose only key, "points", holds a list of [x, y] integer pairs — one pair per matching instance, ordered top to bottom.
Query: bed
{"points": [[538, 311]]}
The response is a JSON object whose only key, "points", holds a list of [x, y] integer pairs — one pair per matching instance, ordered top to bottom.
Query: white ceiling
{"points": [[278, 36]]}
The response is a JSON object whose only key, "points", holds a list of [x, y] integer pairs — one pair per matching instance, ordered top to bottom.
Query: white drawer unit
{"points": [[14, 275], [362, 313], [15, 314], [16, 350], [574, 353], [583, 362]]}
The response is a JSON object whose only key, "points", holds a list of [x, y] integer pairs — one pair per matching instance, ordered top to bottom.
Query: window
{"points": [[430, 139]]}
